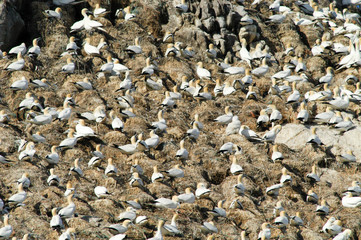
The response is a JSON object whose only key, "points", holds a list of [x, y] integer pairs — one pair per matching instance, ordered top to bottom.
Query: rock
{"points": [[11, 24]]}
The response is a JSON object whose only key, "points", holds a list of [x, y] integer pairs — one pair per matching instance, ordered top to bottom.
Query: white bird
{"points": [[182, 7], [99, 11], [53, 13], [128, 15], [86, 23], [35, 49], [90, 49], [134, 49], [244, 53], [18, 65], [108, 66], [69, 67], [118, 67], [262, 70], [202, 72], [328, 77], [21, 84], [126, 84], [295, 96], [168, 101], [303, 114], [226, 118], [263, 118], [117, 124], [234, 126], [82, 130], [194, 132], [249, 134], [270, 136], [314, 139], [70, 141], [128, 148], [229, 148], [28, 153], [182, 153], [276, 155], [235, 169], [76, 170], [110, 170], [175, 172], [313, 175], [157, 176], [285, 178], [24, 180], [53, 180], [136, 181], [239, 187], [355, 188], [274, 189], [69, 190], [101, 191], [202, 191], [187, 197], [311, 197], [18, 198], [350, 201], [167, 203], [322, 209], [219, 210], [68, 211], [282, 220], [296, 220], [56, 222], [209, 227], [119, 228], [334, 228], [172, 229], [7, 230], [265, 232], [67, 234], [158, 235], [345, 235]]}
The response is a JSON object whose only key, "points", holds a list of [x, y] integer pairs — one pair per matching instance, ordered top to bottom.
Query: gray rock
{"points": [[221, 22], [11, 25], [211, 25]]}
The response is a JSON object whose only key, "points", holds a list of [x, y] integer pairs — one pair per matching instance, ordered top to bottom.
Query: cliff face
{"points": [[218, 22]]}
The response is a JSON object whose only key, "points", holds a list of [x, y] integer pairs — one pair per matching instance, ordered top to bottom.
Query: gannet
{"points": [[182, 7], [99, 11], [54, 13], [128, 15], [86, 23], [168, 37], [18, 49], [90, 49], [134, 49], [34, 51], [171, 51], [244, 53], [18, 65], [108, 66], [69, 67], [118, 67], [149, 68], [262, 70], [202, 72], [283, 74], [328, 77], [43, 83], [126, 84], [228, 89], [274, 89], [251, 94], [175, 95], [295, 96], [168, 101], [65, 113], [303, 114], [325, 116], [226, 118], [336, 118], [43, 119], [263, 119], [117, 124], [345, 125], [160, 126], [234, 126], [82, 130], [194, 132], [249, 134], [271, 135], [38, 137], [314, 139], [70, 141], [128, 148], [229, 148], [28, 153], [182, 153], [276, 155], [136, 167], [235, 169], [76, 170], [110, 170], [175, 172], [157, 176], [313, 177], [285, 178], [24, 180], [53, 180], [136, 181], [239, 187], [355, 188], [274, 189], [70, 190], [202, 191], [101, 192], [187, 197], [311, 197], [18, 198], [350, 201], [134, 203], [167, 203], [236, 204], [278, 208], [322, 209], [219, 210], [68, 211], [282, 220], [296, 220], [56, 222], [328, 224], [209, 227], [119, 228], [333, 228], [172, 229], [7, 230], [265, 232], [67, 234], [158, 235], [345, 235], [119, 236]]}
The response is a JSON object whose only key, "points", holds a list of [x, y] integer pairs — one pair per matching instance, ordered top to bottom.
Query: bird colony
{"points": [[169, 120]]}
